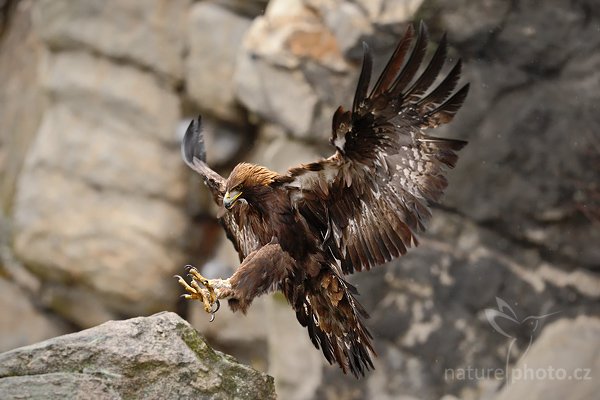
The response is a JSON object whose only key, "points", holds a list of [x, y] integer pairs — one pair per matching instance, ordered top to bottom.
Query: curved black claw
{"points": [[188, 267], [217, 305]]}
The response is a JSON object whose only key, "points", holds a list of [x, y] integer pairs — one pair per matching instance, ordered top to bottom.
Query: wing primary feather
{"points": [[395, 62], [412, 65], [431, 72], [363, 81], [444, 89], [446, 111], [192, 145], [194, 155]]}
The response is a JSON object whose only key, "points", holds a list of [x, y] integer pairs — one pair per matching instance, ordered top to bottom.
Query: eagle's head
{"points": [[248, 182]]}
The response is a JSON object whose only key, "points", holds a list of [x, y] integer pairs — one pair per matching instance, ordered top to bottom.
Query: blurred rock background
{"points": [[98, 212]]}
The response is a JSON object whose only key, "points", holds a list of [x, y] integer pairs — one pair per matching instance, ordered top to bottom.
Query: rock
{"points": [[247, 8], [390, 12], [485, 19], [347, 21], [147, 33], [214, 35], [289, 59], [275, 94], [21, 96], [138, 104], [515, 117], [279, 153], [105, 157], [98, 200], [66, 237], [10, 267], [83, 307], [21, 323], [244, 335], [291, 353], [160, 356], [560, 364]]}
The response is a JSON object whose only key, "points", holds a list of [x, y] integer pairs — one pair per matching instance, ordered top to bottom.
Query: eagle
{"points": [[303, 231]]}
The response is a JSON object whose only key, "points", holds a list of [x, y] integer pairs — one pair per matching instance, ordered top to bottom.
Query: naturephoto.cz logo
{"points": [[506, 322]]}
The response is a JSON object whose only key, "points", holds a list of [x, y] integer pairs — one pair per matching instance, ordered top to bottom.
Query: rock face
{"points": [[147, 33], [212, 58], [21, 96], [542, 155], [101, 184], [98, 210], [24, 324], [160, 356]]}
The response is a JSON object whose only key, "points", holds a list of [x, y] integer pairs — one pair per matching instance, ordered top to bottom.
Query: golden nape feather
{"points": [[302, 231]]}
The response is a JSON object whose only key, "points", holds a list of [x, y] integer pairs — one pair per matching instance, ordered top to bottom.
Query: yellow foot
{"points": [[205, 293]]}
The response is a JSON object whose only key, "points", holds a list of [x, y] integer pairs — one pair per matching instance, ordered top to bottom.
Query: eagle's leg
{"points": [[209, 291]]}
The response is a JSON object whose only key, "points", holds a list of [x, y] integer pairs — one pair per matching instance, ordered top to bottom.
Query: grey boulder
{"points": [[160, 356]]}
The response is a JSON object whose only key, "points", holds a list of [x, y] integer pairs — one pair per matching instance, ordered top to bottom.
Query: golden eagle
{"points": [[302, 231]]}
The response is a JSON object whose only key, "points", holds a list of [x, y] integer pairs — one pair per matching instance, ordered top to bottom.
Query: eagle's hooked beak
{"points": [[230, 198]]}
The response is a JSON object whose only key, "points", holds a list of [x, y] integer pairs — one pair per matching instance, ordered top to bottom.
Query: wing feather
{"points": [[413, 64], [393, 66], [431, 72], [363, 81], [444, 89], [193, 151], [194, 155], [371, 198]]}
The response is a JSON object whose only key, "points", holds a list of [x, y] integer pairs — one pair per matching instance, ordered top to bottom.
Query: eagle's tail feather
{"points": [[334, 320]]}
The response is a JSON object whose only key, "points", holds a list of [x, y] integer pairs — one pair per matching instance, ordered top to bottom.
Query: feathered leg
{"points": [[259, 273]]}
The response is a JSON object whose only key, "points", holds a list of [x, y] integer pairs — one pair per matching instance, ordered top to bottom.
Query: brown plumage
{"points": [[301, 231]]}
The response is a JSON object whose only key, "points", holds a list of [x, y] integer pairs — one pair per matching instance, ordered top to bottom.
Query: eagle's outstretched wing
{"points": [[193, 151], [370, 198]]}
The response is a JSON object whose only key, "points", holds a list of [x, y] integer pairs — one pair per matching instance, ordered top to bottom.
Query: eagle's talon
{"points": [[185, 285], [201, 289]]}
